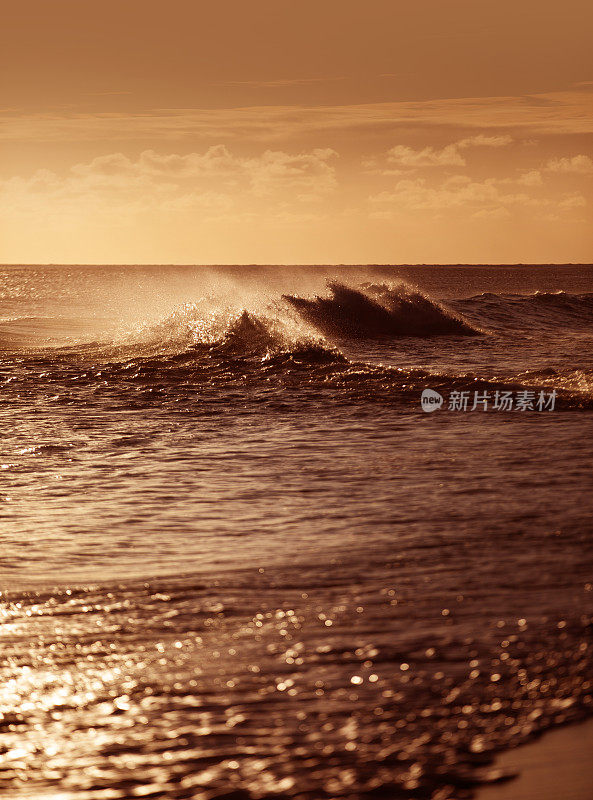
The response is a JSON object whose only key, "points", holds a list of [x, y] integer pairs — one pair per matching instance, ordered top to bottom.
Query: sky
{"points": [[187, 131]]}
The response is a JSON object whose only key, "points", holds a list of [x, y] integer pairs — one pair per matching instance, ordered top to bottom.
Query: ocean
{"points": [[241, 558]]}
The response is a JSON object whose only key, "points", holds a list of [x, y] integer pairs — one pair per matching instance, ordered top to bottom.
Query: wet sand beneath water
{"points": [[559, 766]]}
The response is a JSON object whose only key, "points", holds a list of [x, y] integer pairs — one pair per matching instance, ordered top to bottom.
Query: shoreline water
{"points": [[171, 636]]}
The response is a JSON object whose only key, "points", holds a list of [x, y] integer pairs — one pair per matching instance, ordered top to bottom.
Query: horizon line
{"points": [[306, 264]]}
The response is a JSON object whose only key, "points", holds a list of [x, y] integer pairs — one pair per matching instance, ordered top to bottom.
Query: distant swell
{"points": [[541, 309], [379, 311]]}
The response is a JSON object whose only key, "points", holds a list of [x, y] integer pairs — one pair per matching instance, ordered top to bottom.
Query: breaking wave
{"points": [[376, 310], [204, 352], [250, 362]]}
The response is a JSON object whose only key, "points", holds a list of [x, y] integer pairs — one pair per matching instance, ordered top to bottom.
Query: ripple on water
{"points": [[259, 685]]}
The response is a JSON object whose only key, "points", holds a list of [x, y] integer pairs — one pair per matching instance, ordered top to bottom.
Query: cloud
{"points": [[279, 83], [106, 93], [556, 113], [485, 141], [402, 156], [217, 161], [578, 165], [274, 171], [308, 174], [532, 177], [115, 184], [155, 193], [418, 195], [482, 199], [572, 200], [492, 213]]}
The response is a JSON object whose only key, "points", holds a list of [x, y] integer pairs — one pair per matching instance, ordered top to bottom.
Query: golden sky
{"points": [[376, 131]]}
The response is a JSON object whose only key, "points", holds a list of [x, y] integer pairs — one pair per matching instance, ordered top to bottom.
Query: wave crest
{"points": [[377, 311], [189, 334]]}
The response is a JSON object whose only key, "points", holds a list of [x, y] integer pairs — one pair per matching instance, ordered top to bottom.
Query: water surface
{"points": [[237, 558]]}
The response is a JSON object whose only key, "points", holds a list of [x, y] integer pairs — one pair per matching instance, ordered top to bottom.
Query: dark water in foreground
{"points": [[239, 561]]}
